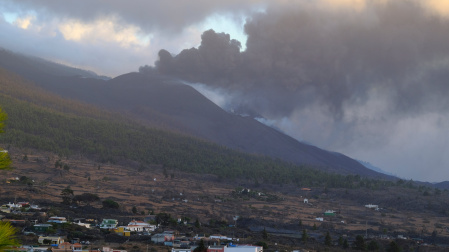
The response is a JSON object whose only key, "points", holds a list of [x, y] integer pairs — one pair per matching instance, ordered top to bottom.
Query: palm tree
{"points": [[7, 236]]}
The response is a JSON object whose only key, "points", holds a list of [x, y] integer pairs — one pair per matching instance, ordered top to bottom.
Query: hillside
{"points": [[32, 67], [164, 102], [43, 121], [443, 185]]}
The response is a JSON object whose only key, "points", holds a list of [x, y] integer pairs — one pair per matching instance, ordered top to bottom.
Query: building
{"points": [[370, 206], [329, 213], [56, 219], [79, 223], [108, 224], [140, 226], [42, 227], [122, 231], [163, 237], [220, 237], [50, 240], [67, 246], [216, 248], [242, 248], [108, 249], [181, 250]]}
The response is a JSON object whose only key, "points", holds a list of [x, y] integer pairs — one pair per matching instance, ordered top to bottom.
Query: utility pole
{"points": [[235, 220], [366, 229]]}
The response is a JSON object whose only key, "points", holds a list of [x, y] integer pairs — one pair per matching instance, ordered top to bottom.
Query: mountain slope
{"points": [[30, 66], [166, 102], [39, 121], [442, 185]]}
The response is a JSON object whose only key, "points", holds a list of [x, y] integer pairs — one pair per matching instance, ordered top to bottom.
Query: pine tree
{"points": [[67, 195], [264, 234], [304, 236], [328, 239], [340, 240], [359, 243], [345, 244], [373, 246], [201, 247], [393, 247]]}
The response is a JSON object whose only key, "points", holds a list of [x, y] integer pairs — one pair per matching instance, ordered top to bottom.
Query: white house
{"points": [[13, 205], [370, 206], [56, 219], [79, 223], [108, 223], [140, 226], [219, 237], [242, 248], [181, 250]]}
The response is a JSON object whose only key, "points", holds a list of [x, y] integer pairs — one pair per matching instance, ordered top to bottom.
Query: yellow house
{"points": [[122, 231], [51, 239]]}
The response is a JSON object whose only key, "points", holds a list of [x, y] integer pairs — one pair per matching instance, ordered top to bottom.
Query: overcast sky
{"points": [[369, 79]]}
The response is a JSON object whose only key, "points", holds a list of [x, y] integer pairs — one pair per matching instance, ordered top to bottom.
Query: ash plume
{"points": [[333, 57], [345, 80]]}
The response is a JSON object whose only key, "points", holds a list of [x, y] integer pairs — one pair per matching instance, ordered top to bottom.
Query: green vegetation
{"points": [[3, 117], [111, 141], [5, 160], [67, 195], [86, 198], [108, 203], [265, 234], [7, 236], [304, 236], [328, 239], [359, 243], [373, 246], [201, 247], [393, 247]]}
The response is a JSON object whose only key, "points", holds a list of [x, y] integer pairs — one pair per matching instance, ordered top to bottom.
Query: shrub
{"points": [[108, 203]]}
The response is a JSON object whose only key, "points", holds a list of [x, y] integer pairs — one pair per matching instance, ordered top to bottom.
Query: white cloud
{"points": [[24, 23], [104, 30]]}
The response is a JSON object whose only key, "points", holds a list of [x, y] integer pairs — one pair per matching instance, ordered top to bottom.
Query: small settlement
{"points": [[50, 239]]}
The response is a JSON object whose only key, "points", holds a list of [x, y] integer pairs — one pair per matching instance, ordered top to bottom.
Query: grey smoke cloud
{"points": [[336, 56], [372, 84]]}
